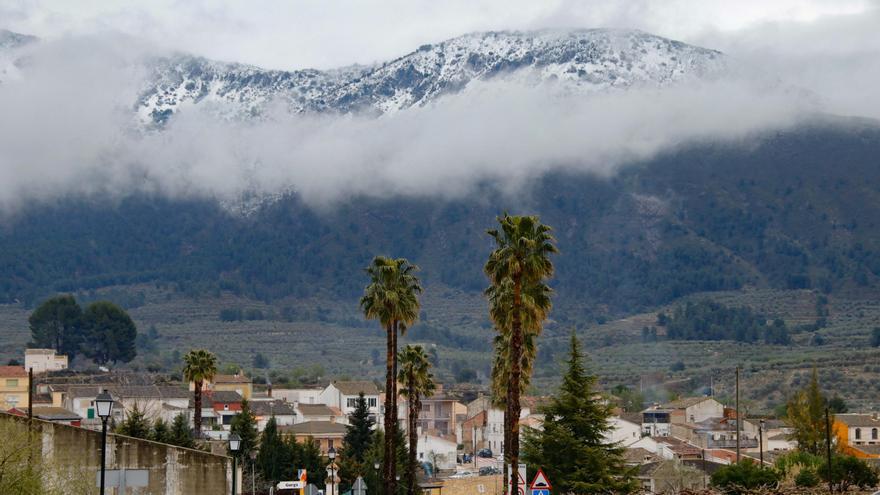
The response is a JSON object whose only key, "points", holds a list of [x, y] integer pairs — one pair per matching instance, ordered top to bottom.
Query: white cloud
{"points": [[65, 127]]}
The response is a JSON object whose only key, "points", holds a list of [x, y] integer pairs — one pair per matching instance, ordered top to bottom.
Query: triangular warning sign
{"points": [[540, 481]]}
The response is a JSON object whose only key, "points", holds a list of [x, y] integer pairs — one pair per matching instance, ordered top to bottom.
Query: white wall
{"points": [[706, 409], [622, 432], [443, 450]]}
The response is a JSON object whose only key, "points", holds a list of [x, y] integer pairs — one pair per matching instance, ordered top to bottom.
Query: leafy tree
{"points": [[521, 259], [392, 298], [709, 320], [57, 324], [109, 334], [875, 337], [260, 361], [199, 365], [677, 366], [466, 375], [417, 383], [630, 400], [837, 405], [806, 413], [135, 424], [245, 425], [161, 432], [181, 435], [571, 447], [272, 453], [311, 459], [849, 471], [743, 477]]}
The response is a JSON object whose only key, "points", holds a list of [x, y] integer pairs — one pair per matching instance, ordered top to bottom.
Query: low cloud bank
{"points": [[67, 127]]}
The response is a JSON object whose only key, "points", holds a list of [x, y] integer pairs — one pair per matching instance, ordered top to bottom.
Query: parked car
{"points": [[484, 453], [489, 471], [462, 474]]}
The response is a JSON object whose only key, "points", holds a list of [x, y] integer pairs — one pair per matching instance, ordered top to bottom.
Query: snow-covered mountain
{"points": [[580, 60], [586, 60]]}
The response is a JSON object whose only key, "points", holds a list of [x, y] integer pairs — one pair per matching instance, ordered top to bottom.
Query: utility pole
{"points": [[30, 414], [738, 420], [828, 449]]}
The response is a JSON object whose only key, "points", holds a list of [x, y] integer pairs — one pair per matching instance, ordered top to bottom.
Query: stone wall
{"points": [[172, 470]]}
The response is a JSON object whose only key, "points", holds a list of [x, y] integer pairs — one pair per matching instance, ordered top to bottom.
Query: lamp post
{"points": [[104, 404], [761, 441], [234, 445], [332, 455], [376, 466], [253, 472]]}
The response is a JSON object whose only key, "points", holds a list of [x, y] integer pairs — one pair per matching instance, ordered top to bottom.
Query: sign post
{"points": [[522, 485], [540, 485], [359, 487]]}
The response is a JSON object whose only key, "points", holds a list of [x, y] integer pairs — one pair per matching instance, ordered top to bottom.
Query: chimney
{"points": [[269, 390]]}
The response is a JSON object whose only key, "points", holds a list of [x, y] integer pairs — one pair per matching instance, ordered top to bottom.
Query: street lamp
{"points": [[104, 404], [761, 441], [234, 445], [332, 455], [376, 466]]}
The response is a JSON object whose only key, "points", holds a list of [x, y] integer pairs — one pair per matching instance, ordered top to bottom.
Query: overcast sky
{"points": [[327, 33]]}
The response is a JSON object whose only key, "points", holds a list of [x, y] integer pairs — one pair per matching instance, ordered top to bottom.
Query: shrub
{"points": [[849, 471], [742, 477], [807, 478]]}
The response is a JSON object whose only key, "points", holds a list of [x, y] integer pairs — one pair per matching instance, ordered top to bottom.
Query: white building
{"points": [[43, 360], [298, 395], [344, 396], [623, 431], [440, 452]]}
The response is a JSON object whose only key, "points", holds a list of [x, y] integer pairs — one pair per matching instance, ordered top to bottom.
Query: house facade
{"points": [[43, 360], [14, 384], [344, 395], [325, 433], [858, 434]]}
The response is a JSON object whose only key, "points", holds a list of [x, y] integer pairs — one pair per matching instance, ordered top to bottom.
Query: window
{"points": [[12, 382], [373, 401], [351, 403], [225, 407], [858, 433], [874, 434], [329, 444]]}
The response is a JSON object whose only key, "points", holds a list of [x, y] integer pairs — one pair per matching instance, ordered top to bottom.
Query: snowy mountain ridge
{"points": [[580, 60]]}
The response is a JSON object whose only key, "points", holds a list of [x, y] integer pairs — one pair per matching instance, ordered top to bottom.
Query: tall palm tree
{"points": [[521, 259], [392, 298], [536, 306], [199, 365], [417, 382]]}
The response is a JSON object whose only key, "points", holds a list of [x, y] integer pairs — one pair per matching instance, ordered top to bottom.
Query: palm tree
{"points": [[521, 259], [392, 298], [536, 305], [199, 365], [417, 383]]}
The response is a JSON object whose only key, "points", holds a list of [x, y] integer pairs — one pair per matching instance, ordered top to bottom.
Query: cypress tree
{"points": [[245, 425], [181, 434], [571, 448], [272, 453]]}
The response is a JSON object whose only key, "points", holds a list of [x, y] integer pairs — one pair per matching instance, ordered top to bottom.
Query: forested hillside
{"points": [[794, 209]]}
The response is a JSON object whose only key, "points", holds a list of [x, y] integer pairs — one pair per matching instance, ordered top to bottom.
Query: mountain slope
{"points": [[796, 210]]}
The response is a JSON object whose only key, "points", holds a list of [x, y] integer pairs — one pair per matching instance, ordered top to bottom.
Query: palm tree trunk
{"points": [[516, 340], [197, 403], [412, 419], [394, 424], [387, 471]]}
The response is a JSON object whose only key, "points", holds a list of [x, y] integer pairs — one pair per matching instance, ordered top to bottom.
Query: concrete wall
{"points": [[172, 470]]}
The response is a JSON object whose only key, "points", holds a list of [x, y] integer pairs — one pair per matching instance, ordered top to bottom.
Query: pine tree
{"points": [[806, 413], [135, 424], [245, 425], [161, 431], [181, 434], [357, 442], [571, 448], [272, 453]]}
